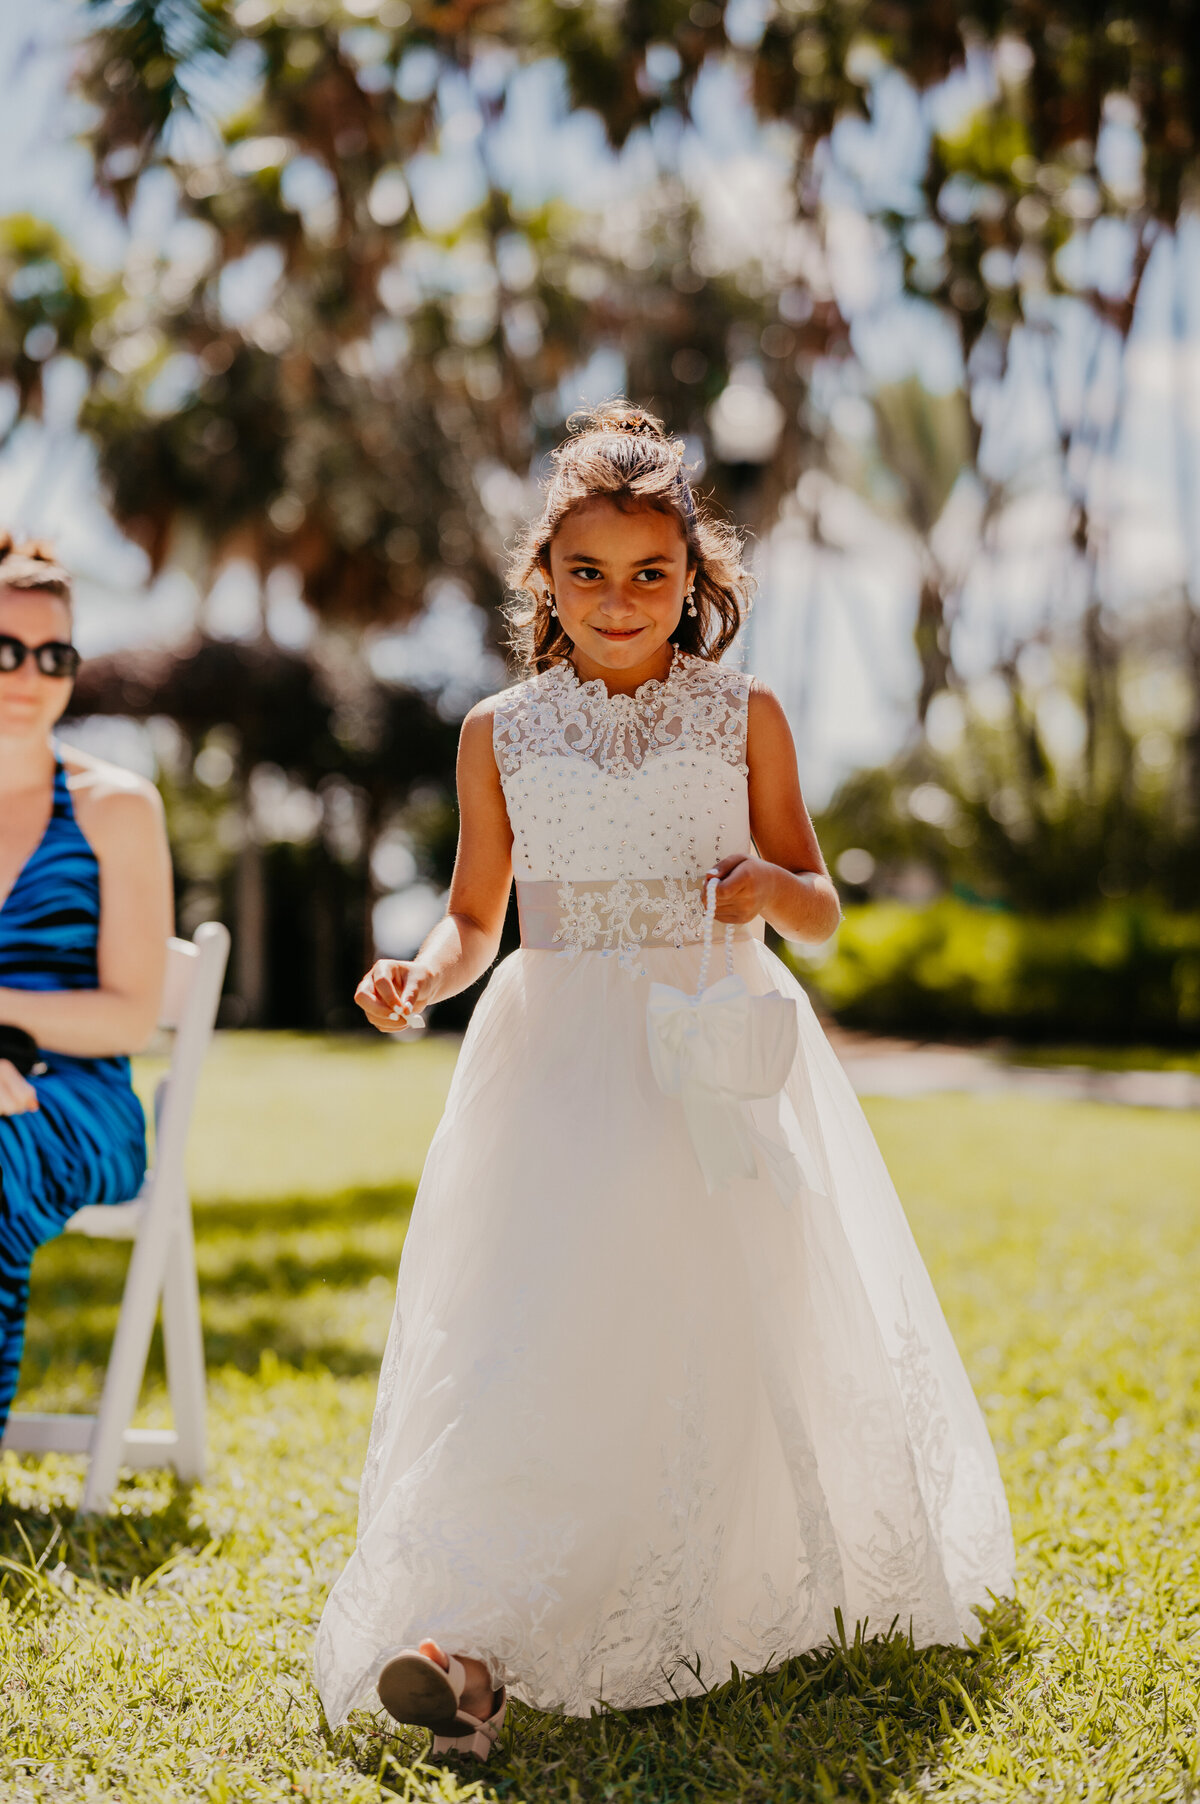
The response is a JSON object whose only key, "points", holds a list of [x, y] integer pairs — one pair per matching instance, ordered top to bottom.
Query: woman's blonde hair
{"points": [[622, 453], [32, 565]]}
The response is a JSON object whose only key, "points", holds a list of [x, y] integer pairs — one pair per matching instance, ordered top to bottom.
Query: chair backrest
{"points": [[183, 963], [191, 997]]}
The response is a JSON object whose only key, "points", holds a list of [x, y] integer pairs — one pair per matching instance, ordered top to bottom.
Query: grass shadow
{"points": [[309, 1279], [47, 1549], [859, 1719]]}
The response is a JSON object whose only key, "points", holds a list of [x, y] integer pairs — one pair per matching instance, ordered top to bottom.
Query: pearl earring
{"points": [[691, 605], [551, 606]]}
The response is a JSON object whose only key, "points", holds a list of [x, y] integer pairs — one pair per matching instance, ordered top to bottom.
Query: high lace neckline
{"points": [[596, 690]]}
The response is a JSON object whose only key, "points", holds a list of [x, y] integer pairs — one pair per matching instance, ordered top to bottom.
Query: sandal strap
{"points": [[480, 1737]]}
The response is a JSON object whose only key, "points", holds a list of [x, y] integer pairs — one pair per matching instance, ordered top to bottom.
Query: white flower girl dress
{"points": [[630, 1432]]}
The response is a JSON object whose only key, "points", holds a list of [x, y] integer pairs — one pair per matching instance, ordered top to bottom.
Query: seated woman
{"points": [[85, 910]]}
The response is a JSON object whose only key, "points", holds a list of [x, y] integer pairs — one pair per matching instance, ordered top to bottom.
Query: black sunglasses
{"points": [[54, 659]]}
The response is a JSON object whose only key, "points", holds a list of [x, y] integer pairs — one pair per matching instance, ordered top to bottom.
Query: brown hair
{"points": [[622, 453], [32, 565]]}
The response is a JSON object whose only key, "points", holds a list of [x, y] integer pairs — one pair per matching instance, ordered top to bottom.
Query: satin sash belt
{"points": [[624, 915]]}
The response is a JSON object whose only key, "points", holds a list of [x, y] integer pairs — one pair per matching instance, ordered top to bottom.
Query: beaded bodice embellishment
{"points": [[621, 802]]}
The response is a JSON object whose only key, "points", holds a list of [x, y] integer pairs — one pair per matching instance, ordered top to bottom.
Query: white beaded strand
{"points": [[710, 913]]}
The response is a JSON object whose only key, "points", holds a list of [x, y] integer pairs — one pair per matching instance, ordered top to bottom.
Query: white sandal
{"points": [[413, 1688]]}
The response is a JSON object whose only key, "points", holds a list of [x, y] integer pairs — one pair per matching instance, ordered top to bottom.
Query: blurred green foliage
{"points": [[48, 302], [356, 420], [1045, 789], [1124, 971]]}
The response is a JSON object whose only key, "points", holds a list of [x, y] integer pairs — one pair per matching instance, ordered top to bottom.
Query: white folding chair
{"points": [[162, 1267]]}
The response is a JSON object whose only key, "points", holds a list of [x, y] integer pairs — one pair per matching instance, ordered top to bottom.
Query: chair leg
{"points": [[183, 1346], [126, 1367]]}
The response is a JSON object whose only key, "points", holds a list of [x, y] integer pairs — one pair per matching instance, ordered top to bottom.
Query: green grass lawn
{"points": [[163, 1653]]}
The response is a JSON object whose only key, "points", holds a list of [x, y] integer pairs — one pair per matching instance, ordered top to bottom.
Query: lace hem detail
{"points": [[495, 1595]]}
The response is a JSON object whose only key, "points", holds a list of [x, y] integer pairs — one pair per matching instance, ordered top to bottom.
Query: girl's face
{"points": [[618, 581], [30, 703]]}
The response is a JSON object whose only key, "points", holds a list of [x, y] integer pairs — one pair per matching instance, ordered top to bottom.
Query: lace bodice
{"points": [[600, 786]]}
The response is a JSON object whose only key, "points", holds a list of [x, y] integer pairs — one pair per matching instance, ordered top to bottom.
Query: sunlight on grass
{"points": [[284, 1115], [163, 1653]]}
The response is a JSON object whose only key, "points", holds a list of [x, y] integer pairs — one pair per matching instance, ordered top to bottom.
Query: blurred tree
{"points": [[1072, 120], [1070, 144], [1061, 149], [50, 304], [303, 370], [317, 370], [311, 372], [305, 376], [908, 468], [280, 756], [1009, 815]]}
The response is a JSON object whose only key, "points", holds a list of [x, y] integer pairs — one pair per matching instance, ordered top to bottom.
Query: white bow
{"points": [[717, 1051]]}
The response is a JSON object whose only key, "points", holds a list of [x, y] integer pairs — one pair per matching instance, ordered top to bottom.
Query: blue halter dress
{"points": [[87, 1141]]}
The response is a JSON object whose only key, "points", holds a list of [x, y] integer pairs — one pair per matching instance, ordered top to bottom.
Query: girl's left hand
{"points": [[744, 888]]}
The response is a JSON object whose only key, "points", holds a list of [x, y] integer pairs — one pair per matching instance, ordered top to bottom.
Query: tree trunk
{"points": [[931, 635], [250, 931]]}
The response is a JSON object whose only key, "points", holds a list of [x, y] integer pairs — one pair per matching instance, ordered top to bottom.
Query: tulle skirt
{"points": [[629, 1434]]}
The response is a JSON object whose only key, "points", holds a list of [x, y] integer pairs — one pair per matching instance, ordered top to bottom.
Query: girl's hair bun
{"points": [[618, 416]]}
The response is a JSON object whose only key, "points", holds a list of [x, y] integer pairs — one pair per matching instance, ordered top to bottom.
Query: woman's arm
{"points": [[122, 819], [787, 883], [462, 945]]}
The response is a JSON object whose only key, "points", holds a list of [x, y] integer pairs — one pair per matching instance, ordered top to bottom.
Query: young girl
{"points": [[642, 1417]]}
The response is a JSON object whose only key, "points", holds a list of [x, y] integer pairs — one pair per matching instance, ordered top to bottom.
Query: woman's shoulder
{"points": [[114, 807]]}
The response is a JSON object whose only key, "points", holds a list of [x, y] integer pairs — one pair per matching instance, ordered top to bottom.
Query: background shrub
{"points": [[1117, 972]]}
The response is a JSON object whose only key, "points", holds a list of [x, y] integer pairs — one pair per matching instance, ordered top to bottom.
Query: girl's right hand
{"points": [[391, 992], [17, 1094]]}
